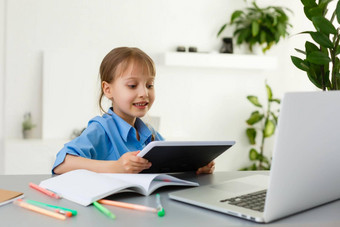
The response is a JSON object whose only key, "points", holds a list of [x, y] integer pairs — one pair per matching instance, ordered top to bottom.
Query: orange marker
{"points": [[45, 191], [127, 205], [40, 210], [67, 213]]}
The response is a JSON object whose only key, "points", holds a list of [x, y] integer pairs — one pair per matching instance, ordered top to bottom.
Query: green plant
{"points": [[255, 25], [321, 61], [264, 121], [27, 124]]}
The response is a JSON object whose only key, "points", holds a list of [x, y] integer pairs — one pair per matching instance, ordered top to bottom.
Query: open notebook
{"points": [[84, 187]]}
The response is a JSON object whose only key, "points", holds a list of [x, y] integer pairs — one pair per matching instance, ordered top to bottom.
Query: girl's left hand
{"points": [[207, 169]]}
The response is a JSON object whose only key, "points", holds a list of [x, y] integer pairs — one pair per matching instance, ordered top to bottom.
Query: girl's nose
{"points": [[143, 92]]}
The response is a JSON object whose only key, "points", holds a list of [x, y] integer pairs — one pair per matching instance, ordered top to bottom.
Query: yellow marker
{"points": [[127, 205], [40, 210]]}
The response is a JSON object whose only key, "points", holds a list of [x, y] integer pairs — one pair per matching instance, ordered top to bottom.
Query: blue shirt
{"points": [[107, 138]]}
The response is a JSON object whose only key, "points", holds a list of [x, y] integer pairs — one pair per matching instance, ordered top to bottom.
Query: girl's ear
{"points": [[107, 89]]}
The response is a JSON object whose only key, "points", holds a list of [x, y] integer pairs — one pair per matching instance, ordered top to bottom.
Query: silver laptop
{"points": [[305, 168]]}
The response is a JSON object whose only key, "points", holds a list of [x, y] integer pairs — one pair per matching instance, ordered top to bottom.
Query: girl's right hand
{"points": [[131, 163]]}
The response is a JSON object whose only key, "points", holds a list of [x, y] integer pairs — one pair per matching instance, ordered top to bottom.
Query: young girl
{"points": [[110, 143]]}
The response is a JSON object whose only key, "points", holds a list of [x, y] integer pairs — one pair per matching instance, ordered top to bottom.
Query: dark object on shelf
{"points": [[227, 45], [180, 49], [192, 49]]}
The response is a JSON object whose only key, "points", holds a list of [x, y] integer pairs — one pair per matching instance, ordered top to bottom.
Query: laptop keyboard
{"points": [[253, 201]]}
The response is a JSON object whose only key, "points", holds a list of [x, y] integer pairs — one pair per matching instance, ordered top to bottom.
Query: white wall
{"points": [[2, 83], [194, 104]]}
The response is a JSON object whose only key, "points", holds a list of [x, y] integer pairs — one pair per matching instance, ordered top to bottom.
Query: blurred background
{"points": [[50, 56]]}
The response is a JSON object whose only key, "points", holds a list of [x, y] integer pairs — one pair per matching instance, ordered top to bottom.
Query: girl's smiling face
{"points": [[132, 92]]}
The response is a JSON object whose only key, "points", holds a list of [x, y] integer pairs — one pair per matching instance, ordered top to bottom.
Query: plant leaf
{"points": [[309, 3], [311, 12], [337, 12], [236, 14], [323, 25], [255, 28], [281, 29], [221, 30], [242, 35], [262, 37], [321, 39], [310, 47], [337, 50], [300, 51], [318, 58], [298, 62], [313, 78], [269, 92], [254, 100], [275, 100], [254, 118], [275, 118], [269, 128], [251, 134], [253, 154], [253, 167]]}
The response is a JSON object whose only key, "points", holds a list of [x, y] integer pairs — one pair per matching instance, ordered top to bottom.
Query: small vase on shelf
{"points": [[227, 45]]}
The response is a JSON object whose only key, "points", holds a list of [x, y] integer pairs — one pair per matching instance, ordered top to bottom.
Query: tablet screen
{"points": [[182, 156]]}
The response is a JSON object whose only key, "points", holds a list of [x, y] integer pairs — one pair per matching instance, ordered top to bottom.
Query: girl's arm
{"points": [[127, 163]]}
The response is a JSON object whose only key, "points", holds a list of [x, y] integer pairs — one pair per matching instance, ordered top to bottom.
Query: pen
{"points": [[45, 191], [127, 205], [160, 209], [39, 210], [104, 210], [73, 212]]}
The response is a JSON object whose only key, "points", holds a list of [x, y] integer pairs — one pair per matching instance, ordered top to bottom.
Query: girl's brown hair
{"points": [[117, 61]]}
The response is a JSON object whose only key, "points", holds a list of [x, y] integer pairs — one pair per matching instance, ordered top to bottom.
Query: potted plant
{"points": [[259, 26], [321, 61], [263, 121], [27, 126]]}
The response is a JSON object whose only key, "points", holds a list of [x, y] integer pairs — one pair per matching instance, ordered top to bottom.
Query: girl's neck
{"points": [[130, 120]]}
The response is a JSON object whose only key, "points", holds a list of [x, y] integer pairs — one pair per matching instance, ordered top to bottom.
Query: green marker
{"points": [[160, 209], [104, 210], [74, 212]]}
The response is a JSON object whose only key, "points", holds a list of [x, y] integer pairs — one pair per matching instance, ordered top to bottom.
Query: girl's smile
{"points": [[141, 105]]}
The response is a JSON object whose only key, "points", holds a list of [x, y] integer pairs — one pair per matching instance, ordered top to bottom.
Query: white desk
{"points": [[177, 213]]}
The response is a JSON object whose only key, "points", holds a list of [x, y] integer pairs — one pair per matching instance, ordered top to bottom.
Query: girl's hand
{"points": [[131, 163], [207, 169]]}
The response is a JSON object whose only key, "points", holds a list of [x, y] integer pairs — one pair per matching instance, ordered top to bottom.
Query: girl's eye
{"points": [[131, 86], [149, 86]]}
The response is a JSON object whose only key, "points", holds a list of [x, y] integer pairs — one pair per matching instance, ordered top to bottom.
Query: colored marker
{"points": [[45, 191], [127, 205], [160, 209], [39, 210], [104, 210], [73, 212], [67, 213]]}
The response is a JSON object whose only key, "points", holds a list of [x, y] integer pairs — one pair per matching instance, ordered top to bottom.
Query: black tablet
{"points": [[182, 156]]}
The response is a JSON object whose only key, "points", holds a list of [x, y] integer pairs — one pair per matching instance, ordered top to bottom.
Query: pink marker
{"points": [[45, 191]]}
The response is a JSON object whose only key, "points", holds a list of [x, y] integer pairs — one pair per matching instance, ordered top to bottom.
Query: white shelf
{"points": [[215, 60]]}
